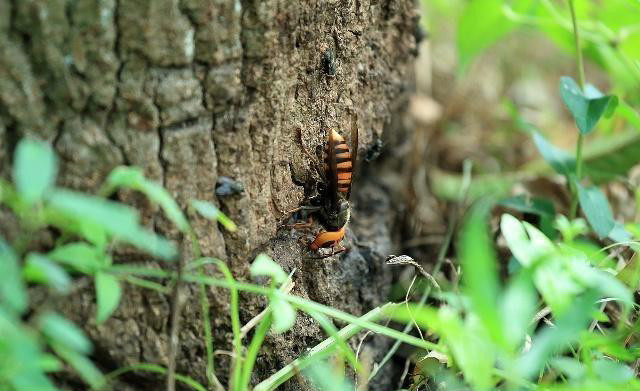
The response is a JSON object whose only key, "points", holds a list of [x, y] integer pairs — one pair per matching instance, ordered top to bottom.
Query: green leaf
{"points": [[481, 24], [586, 107], [611, 157], [559, 160], [34, 169], [133, 178], [535, 205], [595, 206], [209, 211], [117, 219], [522, 247], [80, 256], [263, 265], [39, 268], [480, 274], [603, 282], [13, 292], [108, 293], [518, 307], [284, 316], [62, 331], [470, 336], [554, 339], [20, 357], [83, 366], [569, 366], [612, 372], [325, 378]]}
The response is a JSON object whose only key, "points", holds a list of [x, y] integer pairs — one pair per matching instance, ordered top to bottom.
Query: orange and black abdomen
{"points": [[344, 166], [327, 239]]}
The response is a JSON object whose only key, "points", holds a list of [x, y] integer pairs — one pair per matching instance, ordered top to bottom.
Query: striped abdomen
{"points": [[344, 166]]}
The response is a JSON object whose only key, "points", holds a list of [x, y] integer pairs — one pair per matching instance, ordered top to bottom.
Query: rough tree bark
{"points": [[192, 90]]}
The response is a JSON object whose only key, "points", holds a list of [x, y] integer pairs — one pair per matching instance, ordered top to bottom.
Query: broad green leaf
{"points": [[481, 24], [586, 107], [611, 157], [559, 160], [34, 169], [133, 178], [539, 206], [595, 206], [209, 211], [117, 219], [619, 234], [522, 247], [80, 256], [263, 265], [39, 268], [479, 271], [552, 275], [601, 281], [13, 292], [108, 293], [518, 306], [284, 316], [63, 332], [469, 336], [555, 339], [20, 356], [50, 363], [81, 364], [569, 366], [612, 372], [325, 378]]}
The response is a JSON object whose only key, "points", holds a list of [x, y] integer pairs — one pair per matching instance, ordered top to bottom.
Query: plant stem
{"points": [[581, 81]]}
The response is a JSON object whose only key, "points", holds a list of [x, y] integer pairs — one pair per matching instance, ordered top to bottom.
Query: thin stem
{"points": [[576, 35], [581, 80], [175, 327]]}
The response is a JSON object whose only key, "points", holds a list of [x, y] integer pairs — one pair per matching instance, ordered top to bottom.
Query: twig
{"points": [[407, 260], [440, 260], [405, 372]]}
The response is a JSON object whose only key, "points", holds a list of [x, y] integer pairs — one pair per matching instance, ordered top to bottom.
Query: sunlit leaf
{"points": [[481, 24], [586, 107], [34, 169], [133, 178], [209, 211], [117, 219], [80, 256], [263, 265], [479, 266], [39, 268], [13, 292], [108, 292], [518, 306], [284, 316], [63, 332], [555, 339], [81, 364], [569, 366], [612, 372], [326, 378]]}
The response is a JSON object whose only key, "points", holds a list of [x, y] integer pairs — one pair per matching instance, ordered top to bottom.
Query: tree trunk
{"points": [[196, 90]]}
